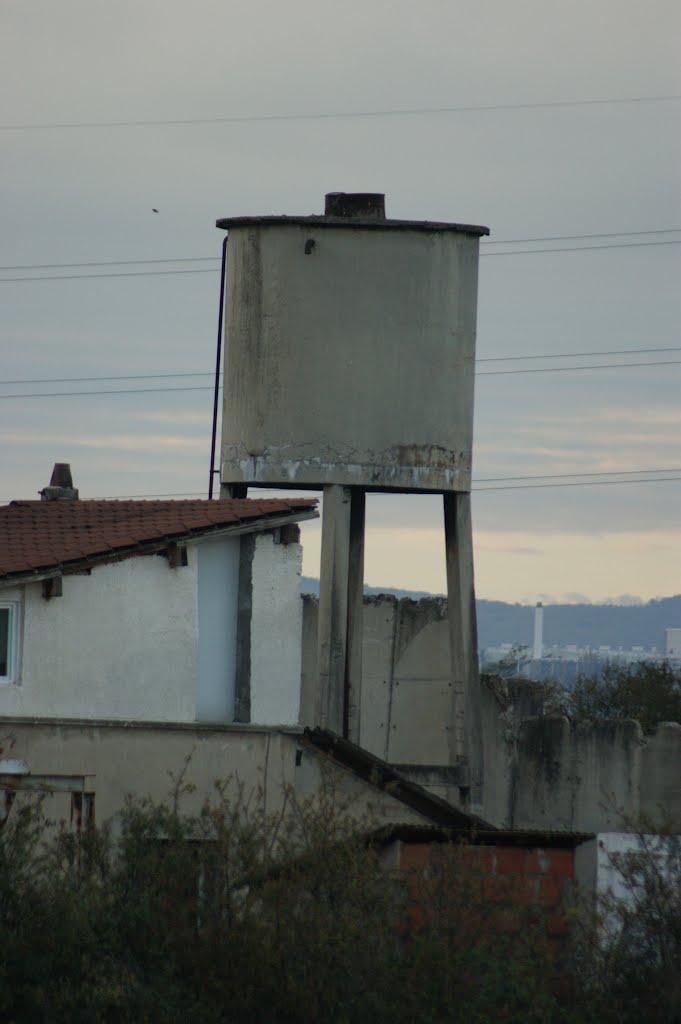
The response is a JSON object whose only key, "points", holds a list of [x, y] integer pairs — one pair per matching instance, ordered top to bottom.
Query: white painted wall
{"points": [[218, 582], [276, 632], [139, 641], [120, 643], [596, 865]]}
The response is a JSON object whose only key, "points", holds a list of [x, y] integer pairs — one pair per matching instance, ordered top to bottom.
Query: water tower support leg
{"points": [[333, 605], [353, 666], [467, 716]]}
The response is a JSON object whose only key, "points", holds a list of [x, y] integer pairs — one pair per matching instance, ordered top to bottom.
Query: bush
{"points": [[649, 692], [235, 915], [628, 950]]}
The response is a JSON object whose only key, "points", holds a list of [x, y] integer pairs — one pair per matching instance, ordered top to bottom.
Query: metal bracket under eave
{"points": [[176, 555], [52, 587]]}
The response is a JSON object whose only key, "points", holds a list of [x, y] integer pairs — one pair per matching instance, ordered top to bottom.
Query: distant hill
{"points": [[310, 585], [613, 625]]}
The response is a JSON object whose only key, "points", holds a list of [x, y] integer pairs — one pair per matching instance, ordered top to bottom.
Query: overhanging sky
{"points": [[86, 195]]}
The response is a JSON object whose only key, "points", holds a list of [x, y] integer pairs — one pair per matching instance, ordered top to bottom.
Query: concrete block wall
{"points": [[407, 712], [540, 772]]}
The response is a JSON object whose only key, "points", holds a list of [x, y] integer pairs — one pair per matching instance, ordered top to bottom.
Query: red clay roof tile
{"points": [[41, 535]]}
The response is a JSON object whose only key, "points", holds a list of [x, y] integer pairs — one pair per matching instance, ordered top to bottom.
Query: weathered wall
{"points": [[385, 316], [276, 627], [137, 640], [119, 643], [407, 702], [123, 758], [540, 772]]}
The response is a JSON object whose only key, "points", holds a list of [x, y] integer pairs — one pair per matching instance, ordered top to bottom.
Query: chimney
{"points": [[61, 486]]}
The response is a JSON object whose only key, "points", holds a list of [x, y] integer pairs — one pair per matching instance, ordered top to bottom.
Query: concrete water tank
{"points": [[350, 346]]}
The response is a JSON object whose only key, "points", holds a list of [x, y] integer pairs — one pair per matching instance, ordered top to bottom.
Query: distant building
{"points": [[672, 643]]}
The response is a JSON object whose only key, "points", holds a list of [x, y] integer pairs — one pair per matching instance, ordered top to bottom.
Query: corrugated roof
{"points": [[39, 536], [525, 838]]}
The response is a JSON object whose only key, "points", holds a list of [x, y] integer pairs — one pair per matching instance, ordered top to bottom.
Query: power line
{"points": [[337, 115], [570, 238], [582, 248], [210, 259], [127, 262], [215, 270], [131, 273], [553, 355], [570, 369], [206, 373], [126, 376], [207, 387], [123, 391], [565, 476], [581, 483], [512, 487]]}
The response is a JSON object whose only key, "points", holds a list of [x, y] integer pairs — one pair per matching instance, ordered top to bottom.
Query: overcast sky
{"points": [[86, 195]]}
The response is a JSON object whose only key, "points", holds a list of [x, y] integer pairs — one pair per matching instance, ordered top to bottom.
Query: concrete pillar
{"points": [[341, 580], [333, 605], [463, 639], [353, 664]]}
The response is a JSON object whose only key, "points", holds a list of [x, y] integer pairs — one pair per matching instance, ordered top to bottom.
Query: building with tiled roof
{"points": [[150, 610]]}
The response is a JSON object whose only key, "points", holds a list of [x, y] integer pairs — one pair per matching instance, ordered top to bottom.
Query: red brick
{"points": [[414, 855], [477, 858], [510, 860], [537, 861], [562, 863], [550, 892], [506, 921], [556, 924]]}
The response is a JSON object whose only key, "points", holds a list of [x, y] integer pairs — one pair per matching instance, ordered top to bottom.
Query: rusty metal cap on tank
{"points": [[360, 205]]}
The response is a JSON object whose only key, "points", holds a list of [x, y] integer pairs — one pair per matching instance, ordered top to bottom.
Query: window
{"points": [[8, 641]]}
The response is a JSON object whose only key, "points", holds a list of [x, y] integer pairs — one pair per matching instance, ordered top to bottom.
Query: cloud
{"points": [[198, 419], [121, 442]]}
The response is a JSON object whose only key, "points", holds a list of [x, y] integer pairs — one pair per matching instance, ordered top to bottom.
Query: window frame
{"points": [[12, 673]]}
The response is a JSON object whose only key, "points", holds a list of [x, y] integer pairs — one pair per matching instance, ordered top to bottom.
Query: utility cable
{"points": [[338, 115], [576, 238], [582, 248], [209, 259], [215, 270], [131, 273], [552, 355], [569, 369], [205, 373], [206, 387], [564, 476], [580, 483], [511, 487]]}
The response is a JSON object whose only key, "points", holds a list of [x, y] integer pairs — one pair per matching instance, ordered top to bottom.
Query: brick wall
{"points": [[501, 888]]}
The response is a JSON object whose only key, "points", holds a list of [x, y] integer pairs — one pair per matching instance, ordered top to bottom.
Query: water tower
{"points": [[349, 364]]}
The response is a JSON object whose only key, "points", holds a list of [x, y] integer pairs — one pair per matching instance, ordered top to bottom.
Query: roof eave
{"points": [[156, 546]]}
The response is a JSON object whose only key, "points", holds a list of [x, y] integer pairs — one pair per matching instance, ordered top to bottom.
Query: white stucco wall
{"points": [[276, 632], [139, 641], [120, 643], [596, 861]]}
